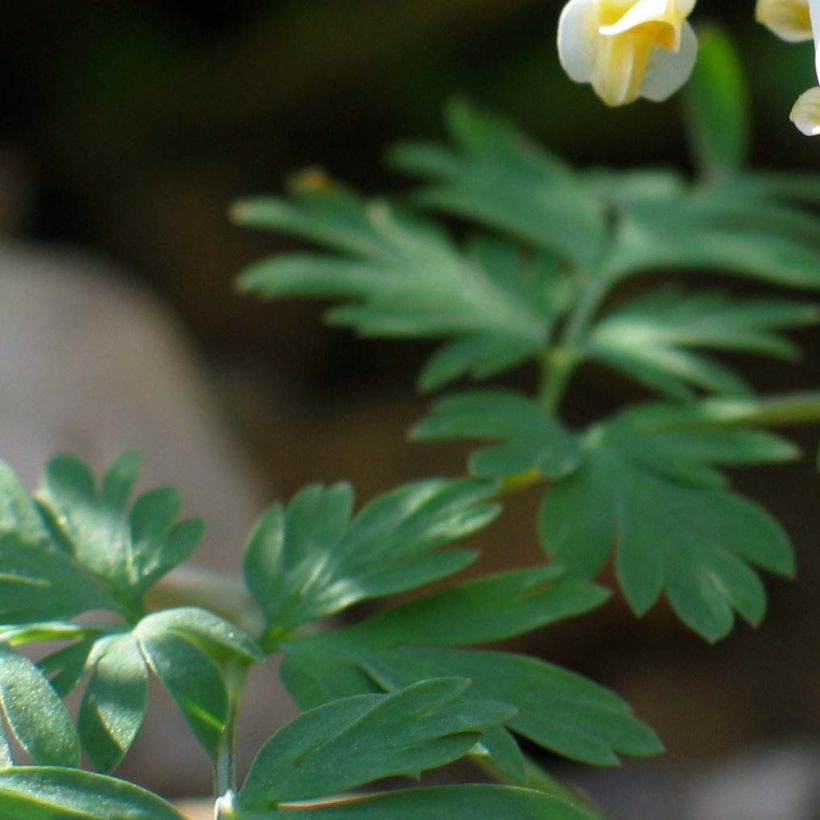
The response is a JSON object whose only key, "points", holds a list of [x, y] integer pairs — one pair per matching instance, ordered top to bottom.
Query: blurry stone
{"points": [[92, 364], [781, 783]]}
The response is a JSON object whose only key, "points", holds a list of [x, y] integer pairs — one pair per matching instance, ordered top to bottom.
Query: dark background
{"points": [[129, 127]]}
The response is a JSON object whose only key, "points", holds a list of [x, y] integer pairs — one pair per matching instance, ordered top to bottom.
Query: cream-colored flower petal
{"points": [[814, 10], [644, 11], [788, 19], [577, 33], [667, 71], [806, 113]]}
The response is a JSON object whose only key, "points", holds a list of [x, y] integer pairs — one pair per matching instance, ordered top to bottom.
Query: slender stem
{"points": [[224, 765]]}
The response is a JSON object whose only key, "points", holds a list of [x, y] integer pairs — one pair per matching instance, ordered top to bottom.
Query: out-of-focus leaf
{"points": [[717, 105], [498, 177], [724, 233], [402, 277], [652, 336], [532, 437], [674, 525], [309, 559], [35, 714], [349, 742], [51, 793]]}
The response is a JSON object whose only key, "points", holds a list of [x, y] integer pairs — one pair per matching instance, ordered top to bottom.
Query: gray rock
{"points": [[92, 364]]}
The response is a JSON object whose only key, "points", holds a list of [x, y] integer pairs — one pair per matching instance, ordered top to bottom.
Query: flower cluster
{"points": [[646, 48]]}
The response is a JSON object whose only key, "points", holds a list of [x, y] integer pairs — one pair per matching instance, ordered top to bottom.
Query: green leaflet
{"points": [[498, 177], [720, 232], [401, 276], [651, 337], [533, 437], [657, 498], [129, 551], [311, 558], [114, 703], [557, 709], [34, 714], [352, 741], [46, 793], [478, 802]]}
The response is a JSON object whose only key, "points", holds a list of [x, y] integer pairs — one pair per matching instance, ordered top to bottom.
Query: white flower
{"points": [[788, 19], [796, 20], [628, 48], [806, 113]]}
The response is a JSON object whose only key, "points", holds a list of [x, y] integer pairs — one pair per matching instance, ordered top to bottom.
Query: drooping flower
{"points": [[788, 19], [795, 21], [628, 48], [806, 113]]}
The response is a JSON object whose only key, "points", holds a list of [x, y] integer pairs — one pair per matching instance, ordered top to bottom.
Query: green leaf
{"points": [[717, 105], [496, 176], [722, 232], [401, 276], [650, 338], [719, 413], [533, 437], [658, 498], [18, 515], [130, 551], [310, 559], [39, 583], [486, 609], [214, 634], [404, 645], [67, 666], [192, 679], [114, 703], [557, 709], [34, 713], [349, 742], [46, 793], [478, 802]]}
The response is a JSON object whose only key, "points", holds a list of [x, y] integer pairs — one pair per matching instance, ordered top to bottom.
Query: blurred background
{"points": [[127, 130]]}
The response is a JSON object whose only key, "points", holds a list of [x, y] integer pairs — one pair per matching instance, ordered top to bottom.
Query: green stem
{"points": [[559, 362], [224, 765]]}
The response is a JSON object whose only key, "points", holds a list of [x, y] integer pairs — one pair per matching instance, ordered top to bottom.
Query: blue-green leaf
{"points": [[532, 437], [311, 559], [34, 713], [353, 741], [48, 793]]}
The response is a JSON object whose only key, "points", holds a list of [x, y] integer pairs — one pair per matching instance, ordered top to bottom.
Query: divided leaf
{"points": [[496, 176], [403, 277], [651, 337], [534, 439], [656, 496], [130, 551], [310, 559], [559, 710], [352, 741]]}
